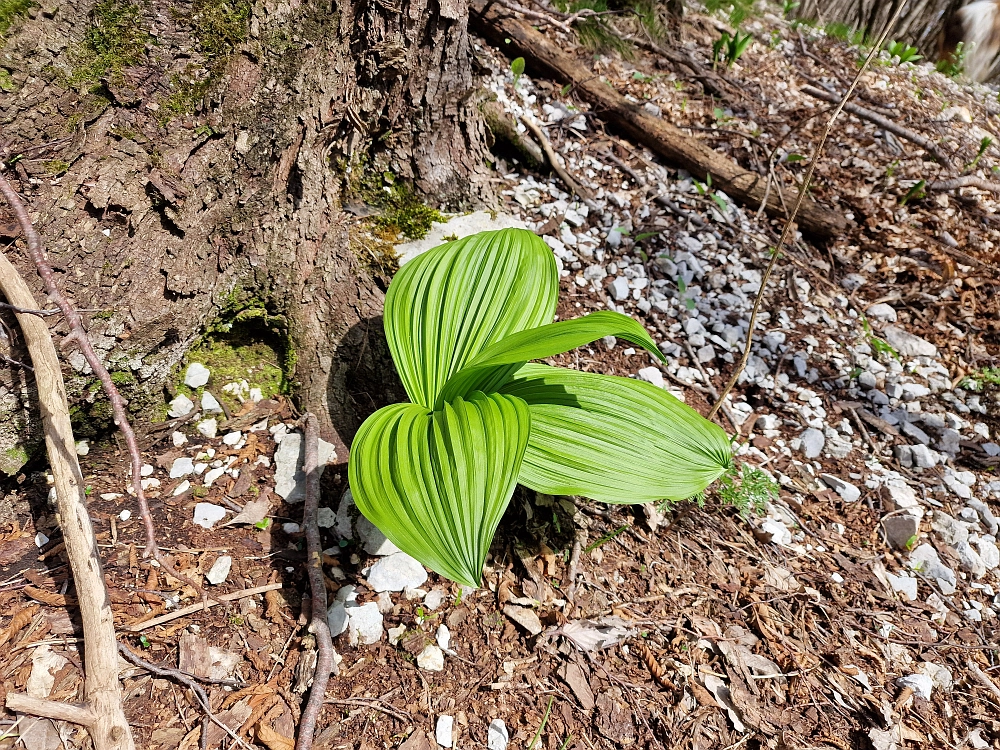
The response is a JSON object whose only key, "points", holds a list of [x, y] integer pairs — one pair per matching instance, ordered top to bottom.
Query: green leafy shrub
{"points": [[463, 322]]}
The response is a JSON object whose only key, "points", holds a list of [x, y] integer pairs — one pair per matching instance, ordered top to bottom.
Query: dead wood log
{"points": [[515, 37], [103, 715]]}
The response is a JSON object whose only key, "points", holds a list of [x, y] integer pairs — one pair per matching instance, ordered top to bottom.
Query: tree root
{"points": [[319, 627]]}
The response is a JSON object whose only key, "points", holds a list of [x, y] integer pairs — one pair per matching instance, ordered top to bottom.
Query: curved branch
{"points": [[325, 664]]}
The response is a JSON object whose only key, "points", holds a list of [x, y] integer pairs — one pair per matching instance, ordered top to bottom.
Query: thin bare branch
{"points": [[556, 163], [188, 682]]}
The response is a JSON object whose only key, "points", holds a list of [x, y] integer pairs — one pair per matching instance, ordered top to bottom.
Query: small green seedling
{"points": [[788, 7], [729, 49], [902, 52], [954, 64], [517, 68], [720, 115], [984, 144], [792, 158], [915, 193], [463, 322], [879, 346], [748, 489], [605, 539], [144, 641]]}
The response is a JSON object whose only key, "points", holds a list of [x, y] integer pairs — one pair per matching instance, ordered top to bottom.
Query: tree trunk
{"points": [[920, 24], [188, 161]]}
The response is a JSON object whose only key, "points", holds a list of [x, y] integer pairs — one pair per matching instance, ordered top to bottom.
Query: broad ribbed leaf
{"points": [[446, 306], [498, 363], [613, 439], [437, 483]]}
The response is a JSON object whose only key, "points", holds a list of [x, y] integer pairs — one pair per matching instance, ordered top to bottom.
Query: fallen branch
{"points": [[886, 124], [670, 142], [556, 162], [969, 180], [799, 201], [78, 335], [191, 609], [319, 627], [188, 682], [105, 718]]}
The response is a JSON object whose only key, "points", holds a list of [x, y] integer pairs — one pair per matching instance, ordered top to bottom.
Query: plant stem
{"points": [[541, 727]]}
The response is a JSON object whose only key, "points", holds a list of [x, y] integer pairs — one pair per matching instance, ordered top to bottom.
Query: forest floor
{"points": [[859, 610]]}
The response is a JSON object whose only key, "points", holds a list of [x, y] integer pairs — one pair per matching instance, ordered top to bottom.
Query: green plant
{"points": [[788, 7], [10, 11], [593, 31], [845, 33], [114, 40], [730, 48], [902, 51], [954, 64], [517, 68], [984, 144], [915, 193], [463, 321], [878, 345], [977, 380], [748, 489], [541, 727]]}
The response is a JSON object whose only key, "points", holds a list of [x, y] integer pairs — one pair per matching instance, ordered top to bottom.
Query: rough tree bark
{"points": [[920, 24], [206, 172]]}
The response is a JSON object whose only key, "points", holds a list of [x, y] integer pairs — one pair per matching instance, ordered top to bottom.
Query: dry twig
{"points": [[886, 124], [557, 166], [775, 254], [190, 610], [319, 627], [188, 682]]}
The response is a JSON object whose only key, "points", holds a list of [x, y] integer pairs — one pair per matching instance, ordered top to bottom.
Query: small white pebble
{"points": [[125, 515], [291, 528], [41, 540], [837, 578]]}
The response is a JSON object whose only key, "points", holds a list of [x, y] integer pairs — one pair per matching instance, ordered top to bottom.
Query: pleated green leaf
{"points": [[448, 305], [498, 363], [614, 440], [437, 483]]}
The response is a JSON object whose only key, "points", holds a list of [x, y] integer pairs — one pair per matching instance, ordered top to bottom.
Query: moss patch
{"points": [[11, 11], [220, 25], [114, 40], [403, 214], [248, 351], [12, 459]]}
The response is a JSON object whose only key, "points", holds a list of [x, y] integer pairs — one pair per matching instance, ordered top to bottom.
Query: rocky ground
{"points": [[858, 610]]}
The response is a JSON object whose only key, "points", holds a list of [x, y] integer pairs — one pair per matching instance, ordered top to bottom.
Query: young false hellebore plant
{"points": [[463, 321]]}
